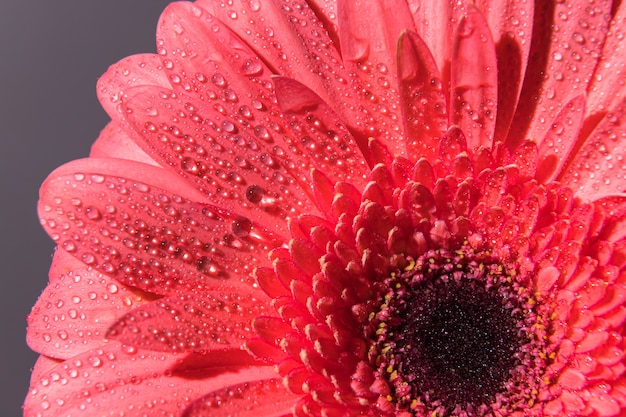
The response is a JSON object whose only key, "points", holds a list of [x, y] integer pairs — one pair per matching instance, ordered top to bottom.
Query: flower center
{"points": [[452, 333], [457, 341]]}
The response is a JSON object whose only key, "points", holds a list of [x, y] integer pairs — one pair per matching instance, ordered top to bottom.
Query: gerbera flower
{"points": [[338, 208]]}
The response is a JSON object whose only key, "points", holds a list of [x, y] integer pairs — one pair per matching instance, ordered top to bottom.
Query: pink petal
{"points": [[511, 24], [436, 32], [364, 38], [293, 42], [369, 49], [560, 63], [143, 69], [474, 80], [236, 85], [607, 89], [422, 99], [322, 138], [114, 142], [557, 145], [223, 164], [596, 168], [323, 191], [614, 225], [148, 236], [546, 278], [76, 309], [191, 322], [572, 379], [120, 380], [267, 398], [602, 402]]}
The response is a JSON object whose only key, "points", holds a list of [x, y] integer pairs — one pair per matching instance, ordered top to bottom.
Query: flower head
{"points": [[343, 208]]}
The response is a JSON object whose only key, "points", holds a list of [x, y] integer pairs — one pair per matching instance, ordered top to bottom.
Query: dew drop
{"points": [[255, 5], [578, 38], [252, 67], [218, 80], [262, 132], [254, 194], [93, 213], [241, 226], [69, 246], [88, 258], [95, 361]]}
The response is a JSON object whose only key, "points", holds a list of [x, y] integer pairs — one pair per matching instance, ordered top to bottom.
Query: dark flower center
{"points": [[452, 334], [457, 342]]}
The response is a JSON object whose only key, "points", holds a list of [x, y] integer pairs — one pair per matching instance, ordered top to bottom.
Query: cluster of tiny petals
{"points": [[327, 284]]}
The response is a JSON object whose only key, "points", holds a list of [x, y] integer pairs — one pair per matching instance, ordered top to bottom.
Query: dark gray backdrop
{"points": [[51, 54]]}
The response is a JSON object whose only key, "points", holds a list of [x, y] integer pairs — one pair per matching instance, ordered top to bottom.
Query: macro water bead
{"points": [[342, 208]]}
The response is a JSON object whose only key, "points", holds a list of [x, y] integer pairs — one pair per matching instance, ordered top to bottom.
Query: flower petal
{"points": [[511, 24], [436, 32], [567, 39], [369, 49], [142, 69], [474, 80], [607, 89], [422, 99], [321, 135], [114, 142], [555, 147], [222, 162], [596, 168], [148, 236], [76, 309], [191, 322], [119, 380], [267, 398]]}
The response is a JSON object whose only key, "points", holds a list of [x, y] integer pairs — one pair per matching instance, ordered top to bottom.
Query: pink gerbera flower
{"points": [[345, 208]]}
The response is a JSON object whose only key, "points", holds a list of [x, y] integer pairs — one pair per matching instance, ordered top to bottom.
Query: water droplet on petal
{"points": [[252, 67], [254, 193], [93, 213], [241, 227]]}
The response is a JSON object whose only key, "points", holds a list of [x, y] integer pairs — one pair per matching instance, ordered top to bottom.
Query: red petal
{"points": [[511, 23], [436, 31], [364, 38], [369, 49], [560, 63], [144, 69], [474, 80], [607, 88], [232, 91], [421, 97], [319, 134], [559, 140], [114, 142], [221, 159], [596, 169], [323, 190], [147, 236], [546, 278], [76, 309], [190, 323], [572, 379], [119, 380], [268, 398]]}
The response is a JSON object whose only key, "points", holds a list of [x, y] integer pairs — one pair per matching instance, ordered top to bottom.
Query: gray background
{"points": [[51, 54]]}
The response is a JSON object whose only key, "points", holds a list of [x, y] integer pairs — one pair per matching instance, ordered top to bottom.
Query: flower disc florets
{"points": [[456, 332]]}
